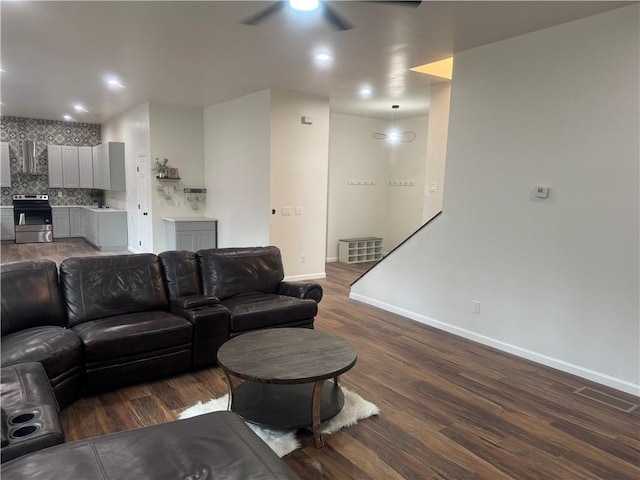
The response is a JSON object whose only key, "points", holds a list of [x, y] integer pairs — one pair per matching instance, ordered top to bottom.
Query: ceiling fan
{"points": [[336, 20]]}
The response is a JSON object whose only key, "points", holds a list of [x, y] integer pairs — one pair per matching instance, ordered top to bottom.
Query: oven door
{"points": [[31, 216], [33, 224]]}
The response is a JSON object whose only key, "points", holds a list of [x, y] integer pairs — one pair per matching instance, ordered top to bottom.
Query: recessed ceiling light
{"points": [[304, 5], [323, 57], [113, 83], [366, 91], [78, 107], [68, 118]]}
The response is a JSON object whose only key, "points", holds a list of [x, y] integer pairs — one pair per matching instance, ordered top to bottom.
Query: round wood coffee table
{"points": [[285, 371]]}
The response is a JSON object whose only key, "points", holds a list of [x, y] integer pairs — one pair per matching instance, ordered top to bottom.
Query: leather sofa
{"points": [[249, 282], [117, 306], [110, 321], [33, 326], [214, 445]]}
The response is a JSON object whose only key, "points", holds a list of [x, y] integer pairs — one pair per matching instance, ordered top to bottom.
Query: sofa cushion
{"points": [[233, 271], [181, 274], [100, 287], [30, 295], [259, 310], [132, 334], [58, 349], [215, 445]]}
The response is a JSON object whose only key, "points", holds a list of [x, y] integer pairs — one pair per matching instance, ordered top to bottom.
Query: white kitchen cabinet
{"points": [[5, 165], [54, 165], [85, 165], [108, 166], [70, 167], [98, 174], [75, 221], [90, 225], [61, 226], [7, 228], [190, 233]]}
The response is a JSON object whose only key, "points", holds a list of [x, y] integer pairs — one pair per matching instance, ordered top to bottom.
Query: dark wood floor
{"points": [[56, 251], [451, 409]]}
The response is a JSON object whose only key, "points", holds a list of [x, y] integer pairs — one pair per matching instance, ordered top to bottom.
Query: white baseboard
{"points": [[331, 259], [310, 276], [561, 365]]}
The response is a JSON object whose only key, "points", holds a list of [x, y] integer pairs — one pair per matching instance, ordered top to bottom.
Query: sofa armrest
{"points": [[304, 290], [194, 301], [210, 331], [5, 428]]}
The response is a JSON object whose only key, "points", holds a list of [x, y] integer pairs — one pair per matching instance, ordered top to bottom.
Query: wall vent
{"points": [[607, 399]]}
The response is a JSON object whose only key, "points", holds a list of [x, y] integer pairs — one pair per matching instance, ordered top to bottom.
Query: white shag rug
{"points": [[284, 441]]}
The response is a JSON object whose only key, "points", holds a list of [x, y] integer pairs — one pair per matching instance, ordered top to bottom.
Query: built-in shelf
{"points": [[167, 179], [358, 250]]}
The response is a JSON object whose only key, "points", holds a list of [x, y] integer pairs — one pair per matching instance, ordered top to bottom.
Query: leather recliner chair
{"points": [[250, 283], [118, 307], [33, 326]]}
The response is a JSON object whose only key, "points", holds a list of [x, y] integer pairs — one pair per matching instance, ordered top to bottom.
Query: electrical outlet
{"points": [[434, 187], [298, 210], [286, 211], [303, 258], [475, 307]]}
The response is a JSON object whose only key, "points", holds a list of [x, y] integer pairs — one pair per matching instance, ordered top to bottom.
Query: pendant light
{"points": [[394, 135]]}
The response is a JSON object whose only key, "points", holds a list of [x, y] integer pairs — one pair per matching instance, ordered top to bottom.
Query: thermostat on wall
{"points": [[307, 120], [542, 192]]}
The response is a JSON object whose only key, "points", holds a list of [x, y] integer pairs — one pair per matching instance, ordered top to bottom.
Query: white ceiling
{"points": [[55, 54]]}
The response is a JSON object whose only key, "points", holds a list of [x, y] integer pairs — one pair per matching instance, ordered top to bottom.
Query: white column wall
{"points": [[439, 105], [237, 169], [298, 178], [558, 279]]}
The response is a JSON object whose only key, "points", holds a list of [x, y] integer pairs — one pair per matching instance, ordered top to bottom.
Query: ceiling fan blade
{"points": [[263, 14], [338, 22]]}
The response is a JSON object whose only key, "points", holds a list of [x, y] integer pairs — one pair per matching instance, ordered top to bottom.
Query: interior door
{"points": [[144, 234]]}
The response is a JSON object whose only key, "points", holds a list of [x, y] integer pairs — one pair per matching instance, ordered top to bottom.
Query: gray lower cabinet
{"points": [[60, 216], [75, 221], [6, 224], [105, 229], [190, 233]]}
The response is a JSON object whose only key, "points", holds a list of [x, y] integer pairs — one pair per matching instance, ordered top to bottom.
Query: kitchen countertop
{"points": [[89, 207], [190, 219]]}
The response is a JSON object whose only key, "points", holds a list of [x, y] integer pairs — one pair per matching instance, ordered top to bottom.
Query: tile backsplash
{"points": [[45, 132]]}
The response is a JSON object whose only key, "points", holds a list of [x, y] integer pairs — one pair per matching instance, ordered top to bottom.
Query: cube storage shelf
{"points": [[358, 250]]}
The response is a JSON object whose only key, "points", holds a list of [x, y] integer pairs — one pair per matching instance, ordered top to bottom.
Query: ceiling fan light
{"points": [[304, 5]]}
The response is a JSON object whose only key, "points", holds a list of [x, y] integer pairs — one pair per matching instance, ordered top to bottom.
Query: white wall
{"points": [[439, 105], [132, 128], [177, 133], [406, 163], [236, 169], [298, 178], [380, 210], [558, 278]]}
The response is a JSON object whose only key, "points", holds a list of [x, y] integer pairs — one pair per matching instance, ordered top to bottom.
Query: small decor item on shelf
{"points": [[161, 168], [173, 173]]}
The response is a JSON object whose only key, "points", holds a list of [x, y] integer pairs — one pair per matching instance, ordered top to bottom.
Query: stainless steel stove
{"points": [[32, 218]]}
